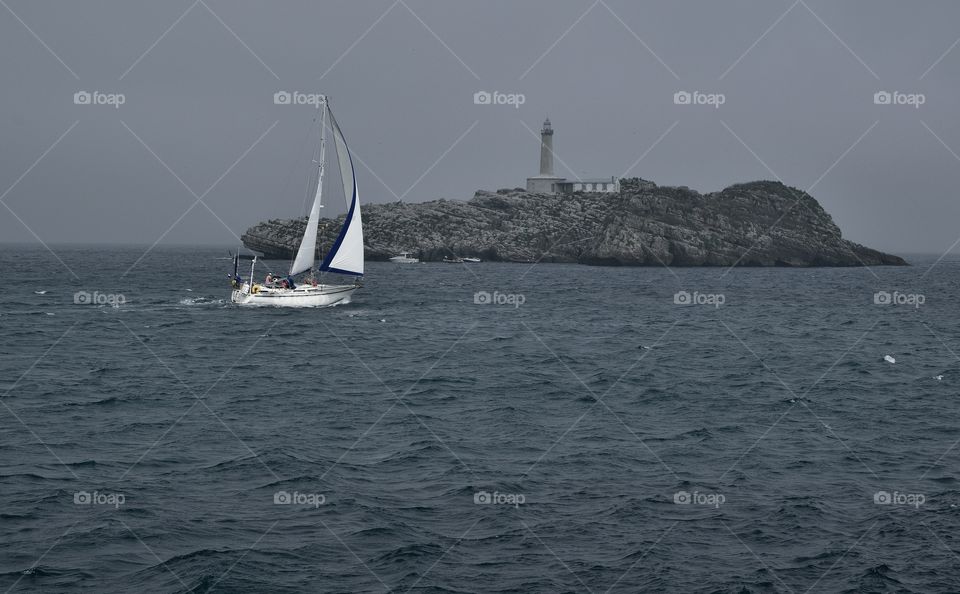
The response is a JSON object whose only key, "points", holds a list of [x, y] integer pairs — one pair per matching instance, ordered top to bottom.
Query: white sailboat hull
{"points": [[302, 296]]}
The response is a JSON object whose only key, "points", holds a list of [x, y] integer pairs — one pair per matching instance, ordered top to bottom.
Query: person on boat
{"points": [[269, 279], [290, 283]]}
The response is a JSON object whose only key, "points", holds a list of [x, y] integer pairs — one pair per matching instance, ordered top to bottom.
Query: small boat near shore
{"points": [[404, 258], [459, 260]]}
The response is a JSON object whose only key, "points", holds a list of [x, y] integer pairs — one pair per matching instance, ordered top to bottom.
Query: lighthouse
{"points": [[546, 149], [547, 182]]}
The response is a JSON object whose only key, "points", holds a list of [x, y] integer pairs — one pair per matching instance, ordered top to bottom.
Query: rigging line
{"points": [[314, 174], [289, 176]]}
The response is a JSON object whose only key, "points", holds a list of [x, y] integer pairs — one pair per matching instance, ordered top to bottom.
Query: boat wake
{"points": [[201, 301]]}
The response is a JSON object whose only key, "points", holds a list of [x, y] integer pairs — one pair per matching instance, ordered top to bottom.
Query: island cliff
{"points": [[759, 223]]}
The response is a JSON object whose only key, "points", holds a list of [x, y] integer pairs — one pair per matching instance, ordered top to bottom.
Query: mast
{"points": [[323, 153]]}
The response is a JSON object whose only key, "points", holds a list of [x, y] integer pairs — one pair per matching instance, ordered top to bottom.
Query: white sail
{"points": [[308, 245], [346, 255]]}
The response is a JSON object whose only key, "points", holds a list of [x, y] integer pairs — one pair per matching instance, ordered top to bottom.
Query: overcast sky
{"points": [[798, 83]]}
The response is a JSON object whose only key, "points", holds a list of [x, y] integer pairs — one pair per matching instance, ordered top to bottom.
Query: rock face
{"points": [[753, 224]]}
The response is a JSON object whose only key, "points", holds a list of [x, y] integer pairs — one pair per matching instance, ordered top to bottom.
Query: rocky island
{"points": [[760, 223]]}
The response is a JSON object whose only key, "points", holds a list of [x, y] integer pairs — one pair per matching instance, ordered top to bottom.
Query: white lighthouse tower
{"points": [[546, 149]]}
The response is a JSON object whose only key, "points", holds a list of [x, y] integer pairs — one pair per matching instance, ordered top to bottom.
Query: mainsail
{"points": [[308, 245], [346, 255]]}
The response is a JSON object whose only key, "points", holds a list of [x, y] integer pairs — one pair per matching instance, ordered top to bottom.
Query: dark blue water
{"points": [[615, 440]]}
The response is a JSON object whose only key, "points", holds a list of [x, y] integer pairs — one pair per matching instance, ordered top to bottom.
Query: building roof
{"points": [[592, 180]]}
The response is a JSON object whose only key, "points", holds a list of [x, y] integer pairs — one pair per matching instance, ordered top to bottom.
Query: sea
{"points": [[491, 427]]}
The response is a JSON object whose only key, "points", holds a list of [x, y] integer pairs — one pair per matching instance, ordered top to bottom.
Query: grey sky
{"points": [[401, 77]]}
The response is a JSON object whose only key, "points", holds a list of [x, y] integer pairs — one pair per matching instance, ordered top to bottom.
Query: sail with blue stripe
{"points": [[346, 254]]}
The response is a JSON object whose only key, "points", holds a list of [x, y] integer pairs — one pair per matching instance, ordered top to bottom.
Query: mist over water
{"points": [[490, 427]]}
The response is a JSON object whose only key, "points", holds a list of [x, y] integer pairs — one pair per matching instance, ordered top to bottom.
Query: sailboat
{"points": [[345, 255], [404, 258]]}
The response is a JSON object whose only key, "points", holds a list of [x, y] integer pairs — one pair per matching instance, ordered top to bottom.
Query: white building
{"points": [[548, 183], [609, 184]]}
